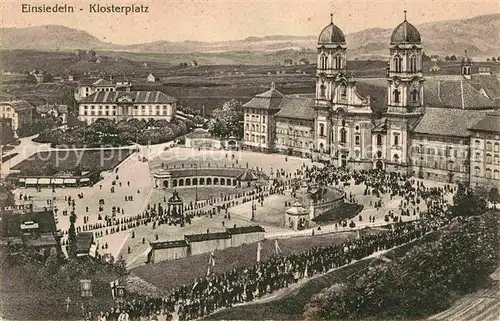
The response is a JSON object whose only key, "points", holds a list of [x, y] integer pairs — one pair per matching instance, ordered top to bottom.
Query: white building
{"points": [[118, 105]]}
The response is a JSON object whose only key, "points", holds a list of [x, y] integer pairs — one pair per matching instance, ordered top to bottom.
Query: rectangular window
{"points": [[396, 139], [357, 140]]}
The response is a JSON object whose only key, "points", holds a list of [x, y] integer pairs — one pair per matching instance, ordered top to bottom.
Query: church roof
{"points": [[405, 33], [331, 34], [454, 92], [297, 107], [448, 122], [489, 123]]}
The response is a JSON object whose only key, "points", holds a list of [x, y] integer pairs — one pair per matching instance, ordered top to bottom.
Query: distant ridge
{"points": [[479, 35]]}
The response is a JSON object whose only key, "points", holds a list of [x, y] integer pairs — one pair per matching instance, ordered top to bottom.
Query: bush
{"points": [[429, 276]]}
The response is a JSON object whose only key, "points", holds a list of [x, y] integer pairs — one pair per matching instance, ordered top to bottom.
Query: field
{"points": [[68, 160], [170, 274], [289, 304]]}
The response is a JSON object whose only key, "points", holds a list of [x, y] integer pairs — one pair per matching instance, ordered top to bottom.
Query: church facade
{"points": [[443, 128]]}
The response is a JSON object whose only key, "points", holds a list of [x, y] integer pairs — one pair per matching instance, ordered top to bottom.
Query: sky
{"points": [[220, 20]]}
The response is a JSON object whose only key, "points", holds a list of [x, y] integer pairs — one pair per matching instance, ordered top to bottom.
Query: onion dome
{"points": [[405, 33], [331, 34], [466, 60]]}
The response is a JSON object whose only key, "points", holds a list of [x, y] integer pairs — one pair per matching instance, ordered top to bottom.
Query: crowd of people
{"points": [[213, 292]]}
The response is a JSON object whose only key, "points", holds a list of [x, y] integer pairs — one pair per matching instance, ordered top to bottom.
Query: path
{"points": [[482, 305]]}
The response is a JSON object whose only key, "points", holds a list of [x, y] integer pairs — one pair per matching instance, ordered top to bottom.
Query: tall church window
{"points": [[323, 62], [337, 62], [398, 64], [413, 64], [322, 91], [414, 95], [396, 96], [321, 130], [343, 135], [396, 139], [379, 140], [396, 158]]}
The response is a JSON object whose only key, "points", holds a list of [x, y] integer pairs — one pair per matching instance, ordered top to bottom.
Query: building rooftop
{"points": [[137, 97], [270, 99], [18, 105], [297, 107], [448, 122], [489, 123], [245, 229], [207, 237], [158, 245]]}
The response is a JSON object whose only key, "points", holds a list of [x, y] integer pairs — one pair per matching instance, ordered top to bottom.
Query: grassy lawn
{"points": [[68, 160], [170, 274], [290, 304]]}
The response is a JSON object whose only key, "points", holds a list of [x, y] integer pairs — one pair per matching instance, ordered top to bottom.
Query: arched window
{"points": [[323, 61], [337, 62], [398, 64], [413, 64], [322, 91], [414, 95], [396, 96], [321, 130], [343, 135], [379, 140], [477, 144], [321, 146], [489, 146], [421, 148], [495, 148], [357, 153], [379, 154], [478, 157], [396, 158], [488, 159], [496, 159], [450, 165], [477, 171], [487, 173], [495, 174]]}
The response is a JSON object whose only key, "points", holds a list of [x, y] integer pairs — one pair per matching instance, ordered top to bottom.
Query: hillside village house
{"points": [[288, 62], [152, 78], [87, 87], [119, 105], [19, 112], [443, 128]]}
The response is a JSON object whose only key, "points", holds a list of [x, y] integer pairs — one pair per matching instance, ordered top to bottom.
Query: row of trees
{"points": [[107, 132], [424, 281]]}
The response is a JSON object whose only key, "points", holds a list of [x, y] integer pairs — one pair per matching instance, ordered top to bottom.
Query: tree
{"points": [[92, 53], [447, 58], [453, 58], [487, 59], [493, 59], [227, 121], [493, 195], [467, 203], [72, 236]]}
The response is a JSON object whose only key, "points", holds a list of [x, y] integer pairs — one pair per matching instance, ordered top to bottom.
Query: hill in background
{"points": [[479, 35]]}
